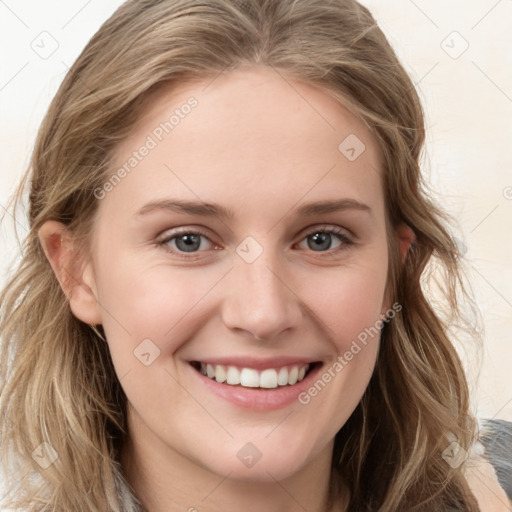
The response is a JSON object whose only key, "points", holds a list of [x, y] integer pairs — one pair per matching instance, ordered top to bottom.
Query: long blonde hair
{"points": [[58, 381]]}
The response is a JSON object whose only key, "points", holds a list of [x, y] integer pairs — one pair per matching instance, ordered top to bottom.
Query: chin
{"points": [[251, 465]]}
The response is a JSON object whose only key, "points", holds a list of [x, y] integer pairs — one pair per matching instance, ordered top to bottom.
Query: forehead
{"points": [[251, 129]]}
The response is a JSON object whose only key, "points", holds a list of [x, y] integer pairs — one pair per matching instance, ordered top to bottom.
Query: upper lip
{"points": [[256, 363]]}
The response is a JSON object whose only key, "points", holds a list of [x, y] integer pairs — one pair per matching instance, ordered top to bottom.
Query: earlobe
{"points": [[406, 237], [75, 276]]}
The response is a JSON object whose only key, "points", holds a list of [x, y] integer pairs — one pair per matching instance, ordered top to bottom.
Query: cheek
{"points": [[349, 302], [155, 303]]}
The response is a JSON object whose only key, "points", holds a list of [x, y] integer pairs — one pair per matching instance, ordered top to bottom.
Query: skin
{"points": [[260, 147], [483, 481]]}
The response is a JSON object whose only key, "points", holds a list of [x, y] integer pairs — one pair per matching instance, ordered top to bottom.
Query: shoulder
{"points": [[483, 482]]}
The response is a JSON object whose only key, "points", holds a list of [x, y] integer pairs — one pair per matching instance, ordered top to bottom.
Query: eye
{"points": [[321, 239], [185, 241], [190, 241]]}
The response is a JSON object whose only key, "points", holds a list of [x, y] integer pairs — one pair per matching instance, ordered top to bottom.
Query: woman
{"points": [[220, 305]]}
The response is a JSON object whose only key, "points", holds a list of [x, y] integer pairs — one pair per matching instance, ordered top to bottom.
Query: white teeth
{"points": [[220, 373], [233, 376], [292, 376], [249, 378], [270, 378], [282, 378]]}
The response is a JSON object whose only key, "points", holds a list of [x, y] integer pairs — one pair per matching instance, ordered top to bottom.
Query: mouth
{"points": [[271, 378]]}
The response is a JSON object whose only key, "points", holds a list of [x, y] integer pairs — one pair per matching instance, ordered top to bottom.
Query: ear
{"points": [[406, 237], [76, 277]]}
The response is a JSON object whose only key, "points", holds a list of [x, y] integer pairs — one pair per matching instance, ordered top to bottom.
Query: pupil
{"points": [[324, 239], [191, 243]]}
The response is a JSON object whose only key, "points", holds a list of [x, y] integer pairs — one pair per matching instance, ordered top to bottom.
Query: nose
{"points": [[260, 298]]}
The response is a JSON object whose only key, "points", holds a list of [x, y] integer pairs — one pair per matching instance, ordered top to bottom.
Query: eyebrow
{"points": [[216, 210]]}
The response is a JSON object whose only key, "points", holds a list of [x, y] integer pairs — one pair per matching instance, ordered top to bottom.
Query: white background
{"points": [[468, 101]]}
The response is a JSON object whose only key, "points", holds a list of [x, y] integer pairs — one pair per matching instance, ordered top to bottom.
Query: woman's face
{"points": [[247, 233]]}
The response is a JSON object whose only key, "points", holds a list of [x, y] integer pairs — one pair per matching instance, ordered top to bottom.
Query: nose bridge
{"points": [[260, 300]]}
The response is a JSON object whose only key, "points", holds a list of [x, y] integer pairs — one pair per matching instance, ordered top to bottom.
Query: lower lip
{"points": [[259, 399]]}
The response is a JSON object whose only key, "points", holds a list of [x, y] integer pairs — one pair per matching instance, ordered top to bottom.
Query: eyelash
{"points": [[338, 232]]}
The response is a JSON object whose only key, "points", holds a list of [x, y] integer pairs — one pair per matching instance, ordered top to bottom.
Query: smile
{"points": [[269, 378], [257, 384]]}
